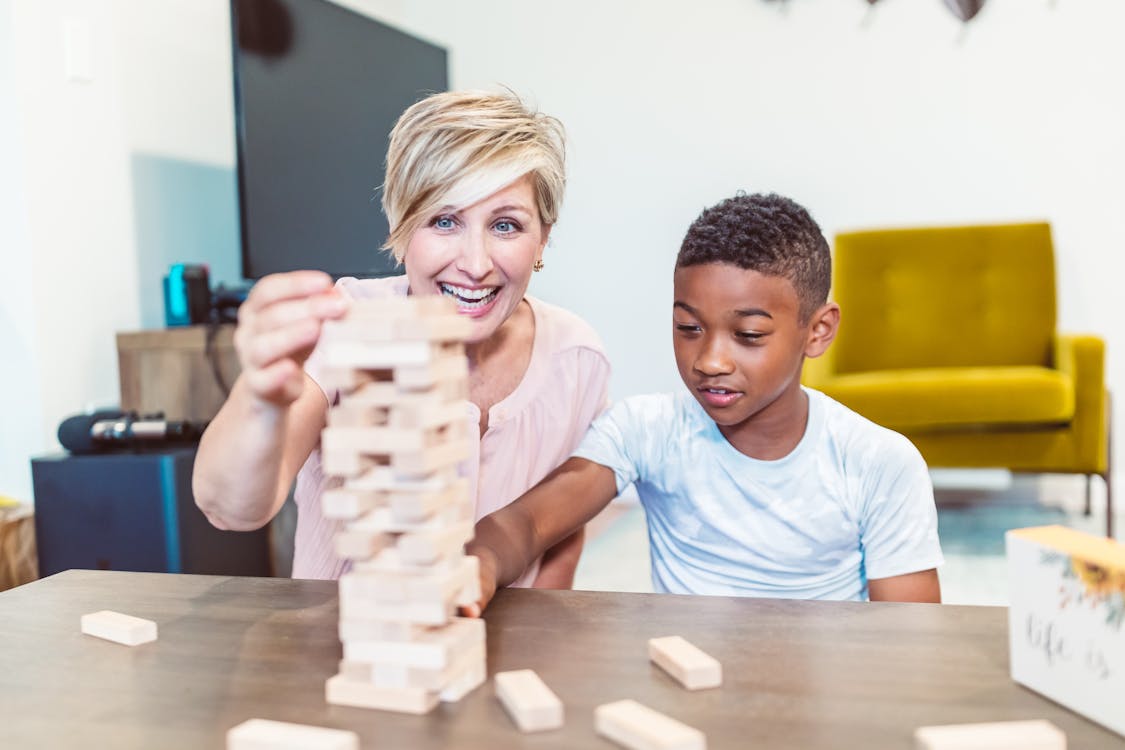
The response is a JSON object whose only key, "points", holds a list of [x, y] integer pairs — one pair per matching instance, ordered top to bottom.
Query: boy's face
{"points": [[740, 343]]}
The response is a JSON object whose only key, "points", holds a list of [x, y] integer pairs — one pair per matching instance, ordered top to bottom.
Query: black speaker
{"points": [[134, 511]]}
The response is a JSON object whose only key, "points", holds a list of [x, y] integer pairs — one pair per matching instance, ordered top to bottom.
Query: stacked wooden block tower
{"points": [[393, 445]]}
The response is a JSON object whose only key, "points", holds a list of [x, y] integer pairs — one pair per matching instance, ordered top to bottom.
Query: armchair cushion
{"points": [[943, 398]]}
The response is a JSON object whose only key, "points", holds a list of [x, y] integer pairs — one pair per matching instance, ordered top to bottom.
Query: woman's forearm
{"points": [[246, 458]]}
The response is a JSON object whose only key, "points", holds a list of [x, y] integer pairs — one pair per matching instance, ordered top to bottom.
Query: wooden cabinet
{"points": [[173, 370]]}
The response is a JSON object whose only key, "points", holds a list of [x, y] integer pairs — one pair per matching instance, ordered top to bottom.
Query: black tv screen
{"points": [[317, 89]]}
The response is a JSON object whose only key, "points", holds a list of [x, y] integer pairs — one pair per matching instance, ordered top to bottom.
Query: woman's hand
{"points": [[278, 327]]}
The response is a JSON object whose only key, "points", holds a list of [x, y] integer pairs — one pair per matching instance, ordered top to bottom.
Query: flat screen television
{"points": [[318, 88]]}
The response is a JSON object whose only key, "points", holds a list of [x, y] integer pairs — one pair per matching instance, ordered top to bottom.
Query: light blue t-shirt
{"points": [[852, 502]]}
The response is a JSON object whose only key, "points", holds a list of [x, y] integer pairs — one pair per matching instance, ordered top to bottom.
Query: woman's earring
{"points": [[538, 266]]}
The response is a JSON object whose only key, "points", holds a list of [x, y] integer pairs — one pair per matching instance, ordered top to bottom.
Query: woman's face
{"points": [[480, 256]]}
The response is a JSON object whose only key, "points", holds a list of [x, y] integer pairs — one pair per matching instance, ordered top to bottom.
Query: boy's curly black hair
{"points": [[770, 234]]}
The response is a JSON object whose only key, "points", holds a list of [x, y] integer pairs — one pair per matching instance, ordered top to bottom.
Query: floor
{"points": [[975, 508]]}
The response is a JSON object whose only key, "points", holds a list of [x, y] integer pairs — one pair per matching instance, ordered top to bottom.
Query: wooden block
{"points": [[411, 306], [367, 328], [342, 352], [428, 375], [377, 388], [346, 414], [390, 441], [429, 460], [348, 464], [384, 478], [346, 504], [420, 506], [382, 521], [361, 545], [426, 547], [390, 561], [441, 585], [354, 604], [119, 628], [352, 629], [436, 648], [693, 668], [399, 676], [469, 680], [341, 691], [527, 699], [638, 727], [263, 734], [1004, 735]]}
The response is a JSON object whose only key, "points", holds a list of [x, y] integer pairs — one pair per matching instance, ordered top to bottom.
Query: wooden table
{"points": [[797, 674]]}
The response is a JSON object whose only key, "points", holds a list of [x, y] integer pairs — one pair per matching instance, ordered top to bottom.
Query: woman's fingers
{"points": [[283, 286], [263, 349], [281, 382]]}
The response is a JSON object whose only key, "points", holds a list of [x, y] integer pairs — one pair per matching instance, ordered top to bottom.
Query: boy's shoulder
{"points": [[856, 436]]}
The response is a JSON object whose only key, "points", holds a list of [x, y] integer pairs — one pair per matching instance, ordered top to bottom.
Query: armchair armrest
{"points": [[1082, 357]]}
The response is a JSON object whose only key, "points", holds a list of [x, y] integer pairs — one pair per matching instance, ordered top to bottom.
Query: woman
{"points": [[473, 187]]}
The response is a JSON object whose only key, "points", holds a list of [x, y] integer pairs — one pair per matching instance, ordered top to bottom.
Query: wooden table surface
{"points": [[796, 674]]}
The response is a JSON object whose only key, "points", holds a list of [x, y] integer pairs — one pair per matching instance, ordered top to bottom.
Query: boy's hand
{"points": [[487, 582]]}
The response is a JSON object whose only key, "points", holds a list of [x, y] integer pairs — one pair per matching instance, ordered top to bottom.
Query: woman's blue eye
{"points": [[443, 222], [505, 227]]}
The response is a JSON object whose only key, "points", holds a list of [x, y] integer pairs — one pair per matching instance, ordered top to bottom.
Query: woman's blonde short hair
{"points": [[457, 148]]}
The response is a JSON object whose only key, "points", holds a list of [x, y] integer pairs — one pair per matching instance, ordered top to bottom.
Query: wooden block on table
{"points": [[119, 628], [436, 648], [693, 668], [469, 680], [341, 691], [532, 705], [638, 727], [263, 734], [1003, 735]]}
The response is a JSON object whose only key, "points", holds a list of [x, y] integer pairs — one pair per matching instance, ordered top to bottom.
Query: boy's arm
{"points": [[510, 539], [556, 571], [922, 586]]}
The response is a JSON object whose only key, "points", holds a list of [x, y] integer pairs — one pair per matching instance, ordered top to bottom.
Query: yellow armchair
{"points": [[948, 336]]}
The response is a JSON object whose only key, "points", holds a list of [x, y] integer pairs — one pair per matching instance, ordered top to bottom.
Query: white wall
{"points": [[896, 115]]}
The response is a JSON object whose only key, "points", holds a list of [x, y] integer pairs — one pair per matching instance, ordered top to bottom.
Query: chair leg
{"points": [[1108, 476], [1089, 505], [1108, 505]]}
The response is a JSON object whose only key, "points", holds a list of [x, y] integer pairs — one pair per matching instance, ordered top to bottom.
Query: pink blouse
{"points": [[529, 433]]}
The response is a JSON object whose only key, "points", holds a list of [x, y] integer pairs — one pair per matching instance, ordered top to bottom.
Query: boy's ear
{"points": [[823, 325]]}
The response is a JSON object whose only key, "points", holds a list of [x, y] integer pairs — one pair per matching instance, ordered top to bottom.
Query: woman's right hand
{"points": [[278, 327]]}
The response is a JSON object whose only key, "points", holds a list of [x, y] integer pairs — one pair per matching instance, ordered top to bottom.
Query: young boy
{"points": [[751, 484]]}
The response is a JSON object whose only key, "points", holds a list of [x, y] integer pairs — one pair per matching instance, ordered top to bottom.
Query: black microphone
{"points": [[110, 430]]}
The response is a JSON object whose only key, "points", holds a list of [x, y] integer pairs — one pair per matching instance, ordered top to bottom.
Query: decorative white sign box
{"points": [[1066, 624]]}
